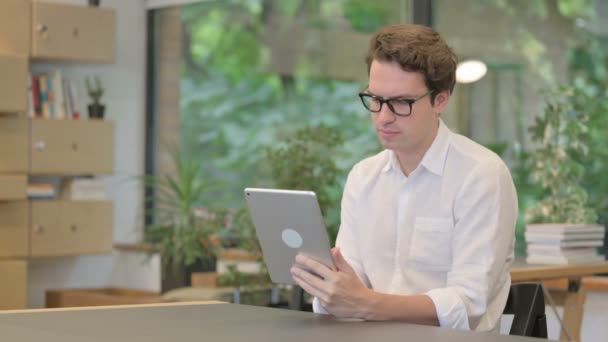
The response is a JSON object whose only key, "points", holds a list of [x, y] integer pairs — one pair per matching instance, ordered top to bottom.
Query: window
{"points": [[235, 77], [230, 78]]}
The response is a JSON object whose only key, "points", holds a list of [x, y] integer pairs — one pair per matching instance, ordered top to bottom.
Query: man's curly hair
{"points": [[416, 48]]}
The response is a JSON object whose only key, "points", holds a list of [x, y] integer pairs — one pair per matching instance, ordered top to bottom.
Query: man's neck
{"points": [[410, 159]]}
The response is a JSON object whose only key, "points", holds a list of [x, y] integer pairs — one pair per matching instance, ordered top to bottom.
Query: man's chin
{"points": [[388, 145], [391, 145]]}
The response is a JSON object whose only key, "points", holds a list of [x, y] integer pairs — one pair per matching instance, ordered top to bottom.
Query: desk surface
{"points": [[521, 271], [218, 322]]}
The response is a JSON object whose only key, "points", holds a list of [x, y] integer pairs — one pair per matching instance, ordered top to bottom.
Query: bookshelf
{"points": [[34, 31]]}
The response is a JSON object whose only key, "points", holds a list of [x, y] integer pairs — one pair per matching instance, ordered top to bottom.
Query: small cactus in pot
{"points": [[95, 91]]}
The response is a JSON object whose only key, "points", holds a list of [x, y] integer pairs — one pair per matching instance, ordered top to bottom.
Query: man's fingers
{"points": [[314, 266], [310, 283], [307, 287]]}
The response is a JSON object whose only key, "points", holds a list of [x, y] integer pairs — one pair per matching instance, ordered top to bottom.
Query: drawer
{"points": [[15, 31], [69, 32], [13, 84], [14, 145], [72, 147], [13, 187], [92, 224], [64, 228], [14, 229], [13, 287]]}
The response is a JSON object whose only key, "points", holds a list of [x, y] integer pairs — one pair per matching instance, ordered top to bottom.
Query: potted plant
{"points": [[95, 91], [560, 136], [185, 231]]}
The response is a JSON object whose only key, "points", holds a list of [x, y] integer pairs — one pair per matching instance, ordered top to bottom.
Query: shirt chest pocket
{"points": [[431, 243]]}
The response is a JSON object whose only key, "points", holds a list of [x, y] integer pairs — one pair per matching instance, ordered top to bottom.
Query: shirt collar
{"points": [[434, 158], [392, 164]]}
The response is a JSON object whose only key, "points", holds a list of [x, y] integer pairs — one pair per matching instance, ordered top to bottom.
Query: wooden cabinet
{"points": [[33, 31], [16, 32], [70, 32], [13, 84], [14, 145], [56, 147], [72, 147], [13, 187], [55, 228], [63, 228], [14, 229], [13, 287]]}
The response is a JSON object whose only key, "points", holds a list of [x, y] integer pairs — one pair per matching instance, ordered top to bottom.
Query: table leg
{"points": [[573, 301]]}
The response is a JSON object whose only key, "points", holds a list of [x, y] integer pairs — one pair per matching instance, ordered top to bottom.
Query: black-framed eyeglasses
{"points": [[399, 105]]}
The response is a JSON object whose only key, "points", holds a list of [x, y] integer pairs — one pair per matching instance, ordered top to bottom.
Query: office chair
{"points": [[526, 303]]}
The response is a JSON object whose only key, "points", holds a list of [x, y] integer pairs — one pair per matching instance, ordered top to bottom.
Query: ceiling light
{"points": [[470, 71]]}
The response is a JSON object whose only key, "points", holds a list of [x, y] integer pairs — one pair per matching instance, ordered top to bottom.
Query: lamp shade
{"points": [[470, 71]]}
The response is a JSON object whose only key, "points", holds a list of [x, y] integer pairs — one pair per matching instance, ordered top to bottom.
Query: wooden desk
{"points": [[572, 299], [106, 307], [218, 322]]}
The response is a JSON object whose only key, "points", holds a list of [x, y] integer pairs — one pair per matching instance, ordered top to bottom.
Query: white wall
{"points": [[125, 100]]}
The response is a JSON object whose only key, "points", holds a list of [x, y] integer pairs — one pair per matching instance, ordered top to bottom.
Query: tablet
{"points": [[288, 222]]}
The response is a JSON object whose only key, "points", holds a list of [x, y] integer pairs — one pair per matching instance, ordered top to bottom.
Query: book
{"points": [[50, 95], [36, 96], [44, 97], [74, 97], [59, 99], [69, 108], [31, 110], [82, 189], [40, 191], [565, 228], [533, 237], [576, 243], [557, 250], [563, 260]]}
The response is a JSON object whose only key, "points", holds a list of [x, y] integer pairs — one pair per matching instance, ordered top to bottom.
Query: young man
{"points": [[427, 229]]}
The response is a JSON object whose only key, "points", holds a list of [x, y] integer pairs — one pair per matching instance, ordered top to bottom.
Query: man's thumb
{"points": [[339, 260]]}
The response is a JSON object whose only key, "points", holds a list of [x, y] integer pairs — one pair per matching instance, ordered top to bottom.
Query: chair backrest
{"points": [[526, 303]]}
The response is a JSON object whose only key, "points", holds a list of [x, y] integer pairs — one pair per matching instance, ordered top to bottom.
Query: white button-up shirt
{"points": [[447, 230]]}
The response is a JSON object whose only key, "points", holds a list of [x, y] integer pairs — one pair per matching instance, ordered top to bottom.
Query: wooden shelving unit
{"points": [[33, 31]]}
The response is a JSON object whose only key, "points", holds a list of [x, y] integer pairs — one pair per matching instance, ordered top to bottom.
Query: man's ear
{"points": [[441, 101]]}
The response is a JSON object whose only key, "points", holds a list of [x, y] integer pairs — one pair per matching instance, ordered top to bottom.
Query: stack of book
{"points": [[51, 96], [83, 189], [40, 191], [564, 243]]}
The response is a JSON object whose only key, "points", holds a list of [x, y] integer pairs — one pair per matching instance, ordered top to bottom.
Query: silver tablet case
{"points": [[273, 211]]}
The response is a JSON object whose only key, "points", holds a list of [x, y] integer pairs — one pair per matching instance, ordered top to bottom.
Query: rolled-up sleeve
{"points": [[485, 213], [317, 307], [451, 311]]}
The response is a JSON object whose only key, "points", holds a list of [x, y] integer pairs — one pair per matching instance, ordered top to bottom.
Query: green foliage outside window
{"points": [[589, 67], [587, 84], [233, 106], [560, 135], [308, 162]]}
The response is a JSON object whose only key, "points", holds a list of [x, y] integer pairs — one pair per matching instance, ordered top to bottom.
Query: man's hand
{"points": [[340, 292]]}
